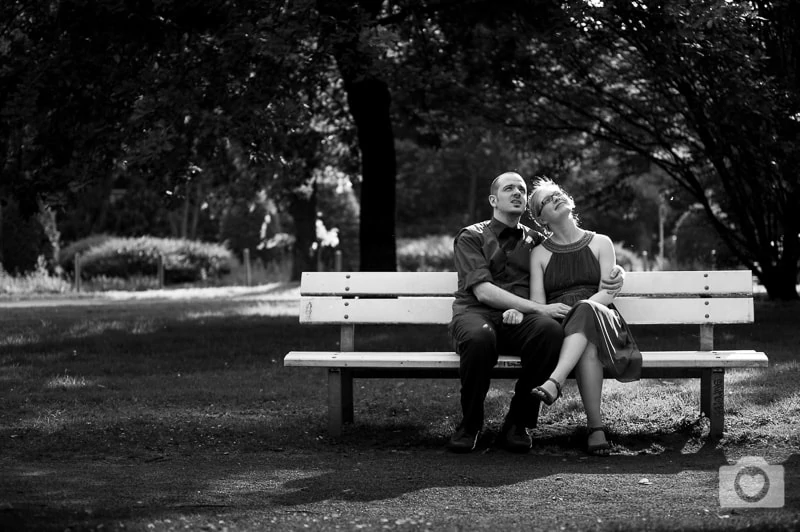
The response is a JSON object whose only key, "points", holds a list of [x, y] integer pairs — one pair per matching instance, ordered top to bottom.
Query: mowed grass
{"points": [[100, 366], [158, 380]]}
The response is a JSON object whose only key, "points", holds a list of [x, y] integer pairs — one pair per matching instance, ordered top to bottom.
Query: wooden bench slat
{"points": [[379, 283], [676, 283], [417, 310], [438, 310], [646, 311], [444, 359]]}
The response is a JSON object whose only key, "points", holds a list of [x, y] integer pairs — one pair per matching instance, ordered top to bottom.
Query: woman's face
{"points": [[548, 200]]}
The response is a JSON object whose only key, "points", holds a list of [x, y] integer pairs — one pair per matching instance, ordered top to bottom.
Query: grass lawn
{"points": [[178, 414]]}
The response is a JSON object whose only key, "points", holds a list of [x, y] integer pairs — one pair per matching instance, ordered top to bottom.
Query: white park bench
{"points": [[348, 299]]}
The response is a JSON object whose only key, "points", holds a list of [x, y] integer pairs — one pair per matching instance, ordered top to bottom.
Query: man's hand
{"points": [[613, 284], [556, 310], [512, 317]]}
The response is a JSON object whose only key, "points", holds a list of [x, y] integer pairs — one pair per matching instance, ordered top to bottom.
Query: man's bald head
{"points": [[496, 183]]}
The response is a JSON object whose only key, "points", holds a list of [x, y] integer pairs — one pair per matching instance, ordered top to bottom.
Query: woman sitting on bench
{"points": [[567, 268]]}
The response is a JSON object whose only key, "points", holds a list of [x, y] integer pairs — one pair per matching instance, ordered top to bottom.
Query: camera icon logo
{"points": [[751, 483]]}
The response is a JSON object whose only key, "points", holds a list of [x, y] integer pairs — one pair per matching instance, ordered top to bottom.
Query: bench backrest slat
{"points": [[379, 283], [727, 283], [731, 283], [686, 297], [401, 310], [433, 310]]}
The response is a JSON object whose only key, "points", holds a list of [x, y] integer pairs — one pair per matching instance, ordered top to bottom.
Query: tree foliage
{"points": [[695, 88], [706, 92], [206, 104]]}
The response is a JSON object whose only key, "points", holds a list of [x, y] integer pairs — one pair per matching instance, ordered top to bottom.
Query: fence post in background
{"points": [[338, 256], [319, 258], [713, 259], [423, 266], [160, 271], [77, 272], [248, 275]]}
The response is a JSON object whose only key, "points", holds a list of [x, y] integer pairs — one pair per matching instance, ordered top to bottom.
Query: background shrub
{"points": [[426, 254], [66, 257], [185, 261], [38, 281]]}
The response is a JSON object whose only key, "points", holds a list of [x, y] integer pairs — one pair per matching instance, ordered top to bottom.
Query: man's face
{"points": [[511, 196]]}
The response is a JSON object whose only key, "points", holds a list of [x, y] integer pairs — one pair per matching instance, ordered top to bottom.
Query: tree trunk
{"points": [[369, 101], [187, 200], [196, 208], [303, 210], [1, 233], [780, 280], [781, 283]]}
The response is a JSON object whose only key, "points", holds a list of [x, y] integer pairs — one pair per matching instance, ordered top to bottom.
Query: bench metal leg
{"points": [[712, 399], [340, 400]]}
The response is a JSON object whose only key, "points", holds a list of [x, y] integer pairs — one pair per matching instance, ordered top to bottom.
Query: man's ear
{"points": [[492, 200]]}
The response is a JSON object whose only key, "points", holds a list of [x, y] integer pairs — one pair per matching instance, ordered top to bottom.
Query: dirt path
{"points": [[267, 292]]}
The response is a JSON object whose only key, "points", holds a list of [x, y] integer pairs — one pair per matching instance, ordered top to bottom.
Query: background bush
{"points": [[426, 254], [66, 258], [185, 261], [38, 281]]}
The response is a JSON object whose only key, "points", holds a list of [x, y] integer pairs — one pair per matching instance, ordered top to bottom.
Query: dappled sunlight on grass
{"points": [[284, 290], [265, 308], [271, 309], [83, 329], [18, 339], [186, 365], [11, 371], [66, 382], [763, 405], [633, 407], [49, 421], [274, 482]]}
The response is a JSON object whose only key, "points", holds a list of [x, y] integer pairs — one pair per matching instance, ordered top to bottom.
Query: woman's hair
{"points": [[541, 186]]}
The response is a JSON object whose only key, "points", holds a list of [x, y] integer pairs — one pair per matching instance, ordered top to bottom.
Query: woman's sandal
{"points": [[545, 396], [598, 449]]}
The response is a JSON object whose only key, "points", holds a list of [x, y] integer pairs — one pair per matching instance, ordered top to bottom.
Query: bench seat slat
{"points": [[675, 283], [438, 310], [449, 360]]}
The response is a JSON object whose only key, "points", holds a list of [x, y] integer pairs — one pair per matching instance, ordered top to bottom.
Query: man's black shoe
{"points": [[515, 438], [462, 441]]}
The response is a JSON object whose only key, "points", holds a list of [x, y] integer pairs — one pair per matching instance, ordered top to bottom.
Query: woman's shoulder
{"points": [[600, 238], [601, 242], [540, 254]]}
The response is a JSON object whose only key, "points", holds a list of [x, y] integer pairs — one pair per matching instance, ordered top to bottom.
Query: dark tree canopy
{"points": [[204, 104]]}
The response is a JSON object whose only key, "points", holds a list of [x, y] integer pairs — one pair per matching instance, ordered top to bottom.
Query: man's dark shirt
{"points": [[490, 251]]}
